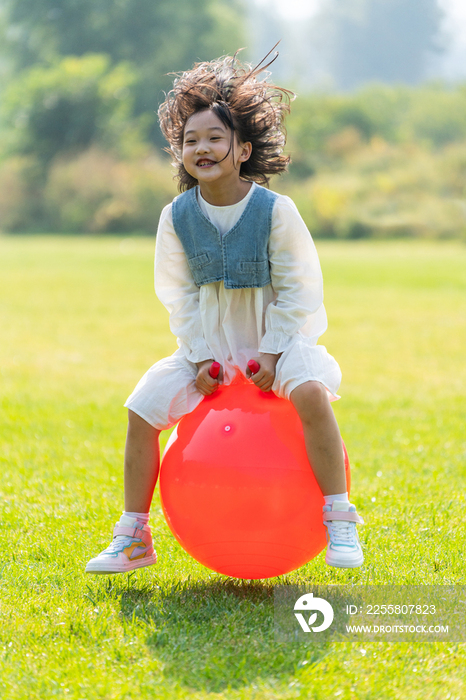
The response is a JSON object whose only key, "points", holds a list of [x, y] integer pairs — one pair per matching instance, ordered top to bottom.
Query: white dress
{"points": [[233, 325]]}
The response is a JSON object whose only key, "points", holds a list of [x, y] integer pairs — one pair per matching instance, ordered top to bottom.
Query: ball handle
{"points": [[254, 366], [214, 370]]}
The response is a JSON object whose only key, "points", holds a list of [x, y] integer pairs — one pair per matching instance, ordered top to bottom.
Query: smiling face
{"points": [[210, 155]]}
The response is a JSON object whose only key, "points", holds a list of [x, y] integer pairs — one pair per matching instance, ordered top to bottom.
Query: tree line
{"points": [[94, 71], [81, 150]]}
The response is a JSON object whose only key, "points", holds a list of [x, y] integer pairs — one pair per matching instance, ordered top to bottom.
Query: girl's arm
{"points": [[296, 279], [177, 291]]}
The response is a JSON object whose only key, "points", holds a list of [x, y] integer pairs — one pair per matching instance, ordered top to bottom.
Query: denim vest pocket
{"points": [[199, 261], [197, 265], [254, 268], [256, 273]]}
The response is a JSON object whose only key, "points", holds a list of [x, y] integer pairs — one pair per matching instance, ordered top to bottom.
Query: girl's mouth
{"points": [[205, 163]]}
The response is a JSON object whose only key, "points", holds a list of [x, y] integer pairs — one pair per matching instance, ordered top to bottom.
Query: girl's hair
{"points": [[254, 109]]}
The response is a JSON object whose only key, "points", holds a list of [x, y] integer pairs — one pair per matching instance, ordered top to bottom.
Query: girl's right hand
{"points": [[265, 375], [204, 382]]}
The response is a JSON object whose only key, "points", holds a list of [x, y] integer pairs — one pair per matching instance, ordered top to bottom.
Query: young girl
{"points": [[239, 274]]}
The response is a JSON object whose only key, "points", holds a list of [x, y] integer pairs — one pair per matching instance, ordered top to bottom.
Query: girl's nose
{"points": [[202, 147]]}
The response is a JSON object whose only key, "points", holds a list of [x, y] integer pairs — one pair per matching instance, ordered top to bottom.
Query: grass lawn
{"points": [[79, 326]]}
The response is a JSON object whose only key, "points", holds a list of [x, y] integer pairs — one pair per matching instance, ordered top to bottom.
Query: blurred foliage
{"points": [[153, 38], [80, 85], [69, 105], [323, 128], [80, 146], [382, 162], [21, 190], [383, 190], [93, 191], [98, 193]]}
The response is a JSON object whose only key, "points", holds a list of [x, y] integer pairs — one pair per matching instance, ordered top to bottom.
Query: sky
{"points": [[293, 9], [303, 9], [456, 16], [454, 26]]}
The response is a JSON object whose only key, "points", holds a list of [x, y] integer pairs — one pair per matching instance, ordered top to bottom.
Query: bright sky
{"points": [[293, 9], [303, 9], [456, 16], [452, 65]]}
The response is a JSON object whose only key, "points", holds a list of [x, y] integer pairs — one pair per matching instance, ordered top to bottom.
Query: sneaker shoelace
{"points": [[342, 532], [115, 544]]}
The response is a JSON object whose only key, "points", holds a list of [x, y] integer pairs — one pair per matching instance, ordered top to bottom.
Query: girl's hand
{"points": [[265, 377], [204, 382]]}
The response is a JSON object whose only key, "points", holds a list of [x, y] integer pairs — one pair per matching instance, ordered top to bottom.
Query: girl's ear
{"points": [[246, 150]]}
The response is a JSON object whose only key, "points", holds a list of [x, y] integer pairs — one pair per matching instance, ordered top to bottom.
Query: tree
{"points": [[155, 37], [382, 40], [70, 105]]}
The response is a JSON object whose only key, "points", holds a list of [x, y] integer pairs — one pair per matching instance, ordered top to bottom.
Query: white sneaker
{"points": [[130, 549], [344, 549]]}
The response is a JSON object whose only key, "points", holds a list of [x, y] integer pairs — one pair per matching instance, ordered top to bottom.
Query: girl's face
{"points": [[206, 145]]}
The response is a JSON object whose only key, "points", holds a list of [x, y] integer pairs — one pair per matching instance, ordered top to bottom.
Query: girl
{"points": [[239, 274]]}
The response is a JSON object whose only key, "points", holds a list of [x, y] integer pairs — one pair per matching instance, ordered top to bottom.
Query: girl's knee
{"points": [[309, 398]]}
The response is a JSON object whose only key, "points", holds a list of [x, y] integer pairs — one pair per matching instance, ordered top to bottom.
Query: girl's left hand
{"points": [[265, 377], [204, 382]]}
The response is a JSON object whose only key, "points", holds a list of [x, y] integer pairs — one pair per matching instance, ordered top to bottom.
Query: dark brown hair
{"points": [[253, 109]]}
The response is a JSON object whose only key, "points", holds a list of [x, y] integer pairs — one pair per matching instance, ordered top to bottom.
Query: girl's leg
{"points": [[174, 381], [321, 435], [325, 453], [141, 464], [131, 547]]}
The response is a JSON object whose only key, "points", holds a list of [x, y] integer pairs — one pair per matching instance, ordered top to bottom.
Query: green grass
{"points": [[79, 326]]}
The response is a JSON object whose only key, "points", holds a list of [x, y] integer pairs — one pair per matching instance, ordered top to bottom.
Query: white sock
{"points": [[342, 497], [141, 517]]}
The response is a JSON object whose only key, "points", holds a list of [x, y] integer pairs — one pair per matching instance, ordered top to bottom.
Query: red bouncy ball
{"points": [[236, 487]]}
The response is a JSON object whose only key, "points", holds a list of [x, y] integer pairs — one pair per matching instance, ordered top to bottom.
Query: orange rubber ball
{"points": [[236, 486]]}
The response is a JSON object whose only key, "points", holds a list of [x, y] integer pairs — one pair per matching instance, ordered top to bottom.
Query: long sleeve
{"points": [[296, 280], [178, 292]]}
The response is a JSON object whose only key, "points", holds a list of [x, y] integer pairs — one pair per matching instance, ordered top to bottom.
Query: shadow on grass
{"points": [[215, 634]]}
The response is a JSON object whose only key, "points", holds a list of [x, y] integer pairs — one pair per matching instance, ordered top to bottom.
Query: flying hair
{"points": [[252, 108]]}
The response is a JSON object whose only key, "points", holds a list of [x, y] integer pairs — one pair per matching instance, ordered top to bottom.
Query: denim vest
{"points": [[239, 257]]}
